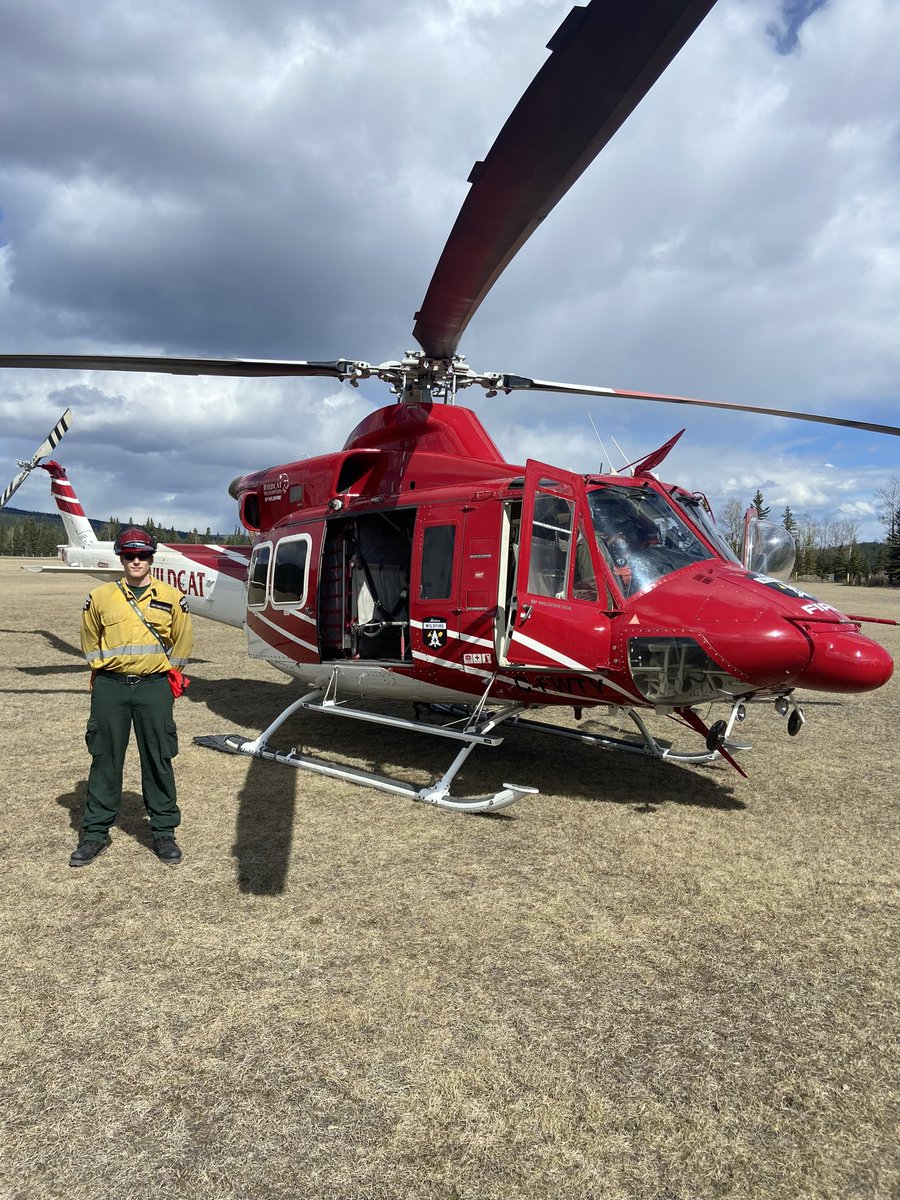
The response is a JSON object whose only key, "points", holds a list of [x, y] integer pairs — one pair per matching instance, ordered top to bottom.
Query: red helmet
{"points": [[135, 539]]}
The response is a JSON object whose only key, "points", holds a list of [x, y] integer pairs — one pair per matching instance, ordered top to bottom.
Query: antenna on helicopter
{"points": [[626, 461], [612, 469]]}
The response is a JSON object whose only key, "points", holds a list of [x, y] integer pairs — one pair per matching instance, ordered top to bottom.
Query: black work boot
{"points": [[166, 849], [87, 852]]}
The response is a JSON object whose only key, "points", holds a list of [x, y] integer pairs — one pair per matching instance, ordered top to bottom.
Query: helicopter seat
{"points": [[380, 567], [380, 609]]}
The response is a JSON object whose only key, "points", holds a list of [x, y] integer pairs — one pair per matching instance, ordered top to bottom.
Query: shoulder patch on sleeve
{"points": [[184, 605]]}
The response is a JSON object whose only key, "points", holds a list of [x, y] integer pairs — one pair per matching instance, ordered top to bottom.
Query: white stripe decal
{"points": [[302, 616], [284, 632], [547, 652], [596, 676]]}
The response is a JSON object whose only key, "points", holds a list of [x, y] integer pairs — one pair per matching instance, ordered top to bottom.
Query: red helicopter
{"points": [[416, 564]]}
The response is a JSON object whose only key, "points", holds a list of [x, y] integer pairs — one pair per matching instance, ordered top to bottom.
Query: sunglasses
{"points": [[143, 555]]}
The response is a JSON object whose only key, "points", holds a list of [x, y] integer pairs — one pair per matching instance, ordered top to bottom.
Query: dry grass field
{"points": [[650, 982]]}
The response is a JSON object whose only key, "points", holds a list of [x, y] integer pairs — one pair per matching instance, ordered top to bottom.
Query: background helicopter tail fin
{"points": [[79, 531]]}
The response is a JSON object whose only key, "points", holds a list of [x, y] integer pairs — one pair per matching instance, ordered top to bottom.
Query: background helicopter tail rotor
{"points": [[54, 437]]}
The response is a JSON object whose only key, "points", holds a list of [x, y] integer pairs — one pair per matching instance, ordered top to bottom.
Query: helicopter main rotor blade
{"points": [[604, 58], [244, 368], [512, 383], [47, 446]]}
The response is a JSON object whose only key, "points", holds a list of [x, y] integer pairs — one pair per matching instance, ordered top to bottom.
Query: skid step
{"points": [[332, 709]]}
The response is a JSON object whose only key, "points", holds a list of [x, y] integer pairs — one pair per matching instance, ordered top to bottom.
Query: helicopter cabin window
{"points": [[698, 510], [551, 545], [438, 546], [290, 571], [258, 575]]}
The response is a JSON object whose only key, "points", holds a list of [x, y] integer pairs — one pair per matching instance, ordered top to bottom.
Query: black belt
{"points": [[132, 680]]}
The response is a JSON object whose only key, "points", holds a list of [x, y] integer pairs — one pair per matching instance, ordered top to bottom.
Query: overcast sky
{"points": [[277, 180]]}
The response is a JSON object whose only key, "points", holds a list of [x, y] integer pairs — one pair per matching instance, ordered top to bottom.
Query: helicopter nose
{"points": [[767, 652], [844, 660]]}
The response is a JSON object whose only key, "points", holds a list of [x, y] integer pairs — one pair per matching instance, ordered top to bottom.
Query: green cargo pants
{"points": [[115, 706]]}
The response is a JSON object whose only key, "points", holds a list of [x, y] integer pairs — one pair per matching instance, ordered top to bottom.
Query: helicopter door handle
{"points": [[526, 613]]}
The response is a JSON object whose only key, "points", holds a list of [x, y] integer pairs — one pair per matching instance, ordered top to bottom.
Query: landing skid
{"points": [[473, 727], [477, 732], [649, 745]]}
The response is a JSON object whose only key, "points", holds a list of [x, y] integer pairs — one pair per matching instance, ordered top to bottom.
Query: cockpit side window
{"points": [[551, 545]]}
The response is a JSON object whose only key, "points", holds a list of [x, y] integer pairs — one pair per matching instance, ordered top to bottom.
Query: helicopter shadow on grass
{"points": [[54, 641], [61, 647], [68, 669], [269, 795], [267, 802]]}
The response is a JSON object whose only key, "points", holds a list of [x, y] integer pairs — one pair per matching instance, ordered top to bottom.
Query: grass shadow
{"points": [[132, 818]]}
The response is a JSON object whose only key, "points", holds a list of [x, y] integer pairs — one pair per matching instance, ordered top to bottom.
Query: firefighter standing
{"points": [[132, 632]]}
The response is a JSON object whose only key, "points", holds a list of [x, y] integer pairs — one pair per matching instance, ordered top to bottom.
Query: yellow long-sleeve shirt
{"points": [[114, 638]]}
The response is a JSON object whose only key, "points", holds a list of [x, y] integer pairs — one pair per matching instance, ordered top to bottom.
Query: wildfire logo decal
{"points": [[434, 633]]}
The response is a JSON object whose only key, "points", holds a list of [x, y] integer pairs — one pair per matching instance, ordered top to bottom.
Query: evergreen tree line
{"points": [[166, 533], [38, 537], [30, 538], [831, 549]]}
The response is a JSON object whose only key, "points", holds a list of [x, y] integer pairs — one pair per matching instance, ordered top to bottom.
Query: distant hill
{"points": [[11, 516]]}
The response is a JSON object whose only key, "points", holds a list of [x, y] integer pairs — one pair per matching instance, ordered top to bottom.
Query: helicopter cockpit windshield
{"points": [[642, 536]]}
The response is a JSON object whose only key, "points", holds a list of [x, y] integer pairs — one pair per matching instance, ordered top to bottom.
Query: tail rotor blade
{"points": [[54, 437], [47, 446], [14, 487]]}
